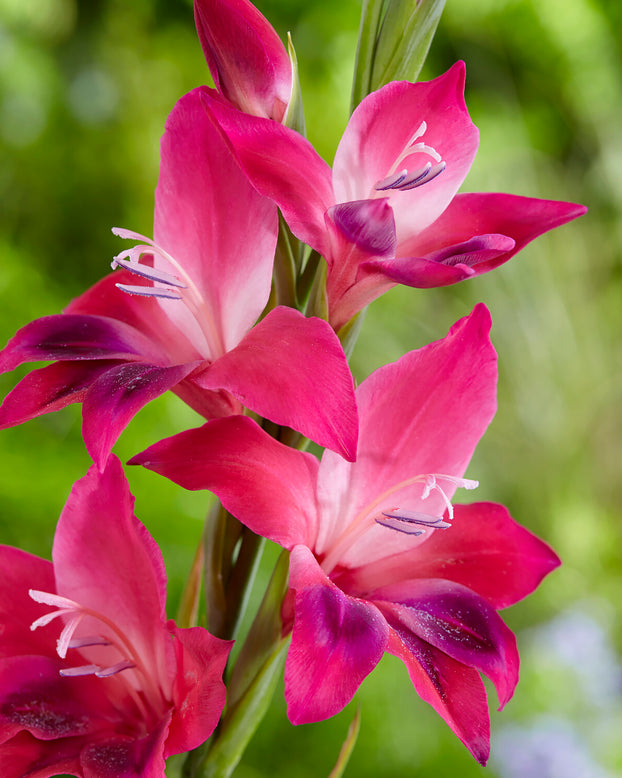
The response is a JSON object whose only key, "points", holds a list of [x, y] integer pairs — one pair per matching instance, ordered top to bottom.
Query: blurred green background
{"points": [[85, 87]]}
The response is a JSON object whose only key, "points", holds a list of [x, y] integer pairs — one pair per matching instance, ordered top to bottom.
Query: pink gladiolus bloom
{"points": [[246, 58], [388, 211], [183, 314], [380, 558], [94, 681]]}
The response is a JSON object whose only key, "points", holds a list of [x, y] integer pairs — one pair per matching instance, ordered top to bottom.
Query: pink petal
{"points": [[246, 58], [383, 126], [283, 166], [199, 175], [468, 215], [358, 231], [445, 266], [142, 313], [74, 337], [292, 370], [49, 389], [117, 396], [422, 414], [266, 485], [98, 540], [485, 550], [489, 552], [20, 572], [458, 622], [336, 642], [199, 692], [455, 692], [35, 698], [25, 755], [125, 757]]}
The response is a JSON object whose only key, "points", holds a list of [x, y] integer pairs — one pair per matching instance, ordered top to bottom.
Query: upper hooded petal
{"points": [[246, 58], [384, 126], [283, 166], [215, 225], [292, 370], [423, 414], [266, 485], [98, 542], [337, 641]]}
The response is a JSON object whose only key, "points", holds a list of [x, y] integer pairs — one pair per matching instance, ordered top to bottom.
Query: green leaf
{"points": [[404, 40]]}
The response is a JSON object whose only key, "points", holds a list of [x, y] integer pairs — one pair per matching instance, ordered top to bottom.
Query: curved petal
{"points": [[246, 58], [393, 119], [283, 166], [199, 175], [469, 215], [357, 231], [445, 266], [142, 313], [74, 337], [292, 370], [49, 389], [117, 395], [423, 414], [266, 485], [97, 531], [485, 550], [20, 572], [458, 622], [336, 642], [199, 692], [455, 692], [34, 697], [25, 755], [126, 757]]}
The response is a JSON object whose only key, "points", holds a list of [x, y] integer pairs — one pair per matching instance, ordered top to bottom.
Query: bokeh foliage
{"points": [[85, 86]]}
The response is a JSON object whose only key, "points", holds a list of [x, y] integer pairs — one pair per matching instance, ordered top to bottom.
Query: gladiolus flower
{"points": [[388, 211], [182, 317], [381, 560], [94, 681]]}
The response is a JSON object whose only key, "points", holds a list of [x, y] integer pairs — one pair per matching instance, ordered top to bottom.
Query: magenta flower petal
{"points": [[246, 58], [393, 129], [283, 166], [520, 219], [236, 242], [73, 337], [292, 370], [49, 389], [117, 395], [257, 479], [489, 552], [458, 622], [336, 642], [455, 692], [197, 706]]}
